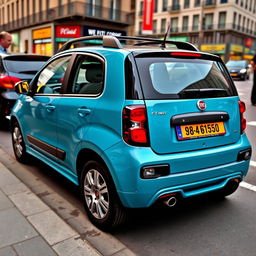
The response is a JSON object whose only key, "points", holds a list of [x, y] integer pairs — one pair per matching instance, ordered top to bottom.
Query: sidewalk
{"points": [[29, 226]]}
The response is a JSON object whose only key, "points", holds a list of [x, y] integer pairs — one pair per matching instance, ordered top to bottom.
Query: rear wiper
{"points": [[205, 92]]}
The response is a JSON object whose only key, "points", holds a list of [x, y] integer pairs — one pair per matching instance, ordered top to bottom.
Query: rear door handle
{"points": [[50, 108], [83, 111]]}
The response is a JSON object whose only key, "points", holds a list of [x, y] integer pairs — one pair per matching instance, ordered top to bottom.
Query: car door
{"points": [[40, 107], [76, 107]]}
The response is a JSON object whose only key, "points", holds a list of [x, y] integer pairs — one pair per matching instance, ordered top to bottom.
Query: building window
{"points": [[223, 1], [236, 1], [197, 3], [242, 3], [186, 4], [165, 5], [175, 5], [156, 6], [141, 8], [250, 8], [12, 10], [17, 10], [114, 12], [8, 13], [222, 20], [234, 20], [208, 21], [239, 22], [185, 23], [174, 24], [163, 25], [154, 26], [195, 26], [243, 26], [247, 26], [140, 27], [222, 38], [194, 39]]}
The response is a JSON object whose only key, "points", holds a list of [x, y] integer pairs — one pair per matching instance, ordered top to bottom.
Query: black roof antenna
{"points": [[167, 35]]}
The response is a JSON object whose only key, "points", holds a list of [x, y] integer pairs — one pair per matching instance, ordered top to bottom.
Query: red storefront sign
{"points": [[148, 8], [68, 31], [248, 42]]}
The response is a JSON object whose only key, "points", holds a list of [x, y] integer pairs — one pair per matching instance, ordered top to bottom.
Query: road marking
{"points": [[253, 123], [253, 163], [248, 186]]}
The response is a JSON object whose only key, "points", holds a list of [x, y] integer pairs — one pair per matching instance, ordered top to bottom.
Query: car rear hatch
{"points": [[191, 101]]}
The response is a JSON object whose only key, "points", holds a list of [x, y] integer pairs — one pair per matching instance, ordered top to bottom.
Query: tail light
{"points": [[8, 82], [242, 119], [135, 125]]}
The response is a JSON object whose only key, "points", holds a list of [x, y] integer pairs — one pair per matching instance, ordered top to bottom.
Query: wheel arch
{"points": [[86, 155]]}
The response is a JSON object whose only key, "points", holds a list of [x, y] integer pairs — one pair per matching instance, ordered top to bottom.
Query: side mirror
{"points": [[21, 87]]}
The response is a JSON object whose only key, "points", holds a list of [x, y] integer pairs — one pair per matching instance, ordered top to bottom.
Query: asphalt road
{"points": [[199, 226]]}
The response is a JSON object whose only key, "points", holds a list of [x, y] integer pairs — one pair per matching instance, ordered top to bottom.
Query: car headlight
{"points": [[243, 70]]}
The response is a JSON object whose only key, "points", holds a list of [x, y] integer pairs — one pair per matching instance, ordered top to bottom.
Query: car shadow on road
{"points": [[159, 215]]}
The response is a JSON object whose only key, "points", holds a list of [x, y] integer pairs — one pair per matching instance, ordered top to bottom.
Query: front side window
{"points": [[89, 76], [177, 78], [50, 80]]}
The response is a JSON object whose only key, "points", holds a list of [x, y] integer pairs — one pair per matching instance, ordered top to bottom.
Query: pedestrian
{"points": [[5, 41], [253, 95]]}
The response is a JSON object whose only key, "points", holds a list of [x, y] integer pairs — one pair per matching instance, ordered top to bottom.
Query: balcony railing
{"points": [[210, 3], [174, 8], [69, 10], [211, 28]]}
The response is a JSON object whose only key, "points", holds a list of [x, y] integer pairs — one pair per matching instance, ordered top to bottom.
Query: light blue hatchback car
{"points": [[134, 124]]}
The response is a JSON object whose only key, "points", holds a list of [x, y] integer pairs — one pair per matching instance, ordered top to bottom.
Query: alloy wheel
{"points": [[17, 141], [96, 194]]}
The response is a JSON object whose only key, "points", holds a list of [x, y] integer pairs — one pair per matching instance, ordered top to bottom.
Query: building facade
{"points": [[43, 26], [223, 27]]}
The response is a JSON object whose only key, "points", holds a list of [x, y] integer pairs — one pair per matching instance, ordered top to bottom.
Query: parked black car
{"points": [[14, 68], [239, 69]]}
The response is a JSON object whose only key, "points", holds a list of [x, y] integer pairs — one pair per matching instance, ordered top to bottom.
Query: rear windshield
{"points": [[239, 63], [24, 64], [178, 78]]}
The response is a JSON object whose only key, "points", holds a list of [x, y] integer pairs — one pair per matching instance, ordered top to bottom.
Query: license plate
{"points": [[234, 74], [194, 131]]}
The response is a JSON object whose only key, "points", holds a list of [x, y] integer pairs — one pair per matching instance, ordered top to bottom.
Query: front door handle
{"points": [[50, 108], [83, 111]]}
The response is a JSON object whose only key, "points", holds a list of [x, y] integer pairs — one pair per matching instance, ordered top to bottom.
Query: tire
{"points": [[18, 144], [100, 198]]}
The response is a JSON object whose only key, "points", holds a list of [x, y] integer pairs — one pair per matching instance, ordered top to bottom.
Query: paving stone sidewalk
{"points": [[28, 227]]}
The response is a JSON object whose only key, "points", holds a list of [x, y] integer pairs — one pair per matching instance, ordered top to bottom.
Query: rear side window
{"points": [[24, 64], [178, 78]]}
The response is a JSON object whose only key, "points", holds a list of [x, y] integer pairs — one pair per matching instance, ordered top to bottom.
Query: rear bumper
{"points": [[192, 173]]}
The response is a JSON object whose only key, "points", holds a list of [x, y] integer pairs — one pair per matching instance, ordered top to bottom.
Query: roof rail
{"points": [[114, 42]]}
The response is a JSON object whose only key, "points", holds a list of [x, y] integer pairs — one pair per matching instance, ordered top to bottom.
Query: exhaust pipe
{"points": [[171, 201]]}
